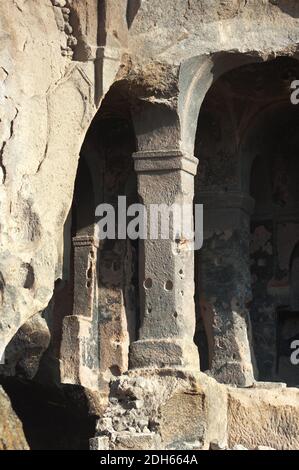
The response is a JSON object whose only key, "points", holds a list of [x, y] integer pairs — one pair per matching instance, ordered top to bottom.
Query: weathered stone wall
{"points": [[58, 59], [38, 157], [39, 163], [175, 410]]}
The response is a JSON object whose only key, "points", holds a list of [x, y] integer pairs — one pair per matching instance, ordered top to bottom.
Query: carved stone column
{"points": [[85, 256], [166, 268], [225, 285], [79, 350]]}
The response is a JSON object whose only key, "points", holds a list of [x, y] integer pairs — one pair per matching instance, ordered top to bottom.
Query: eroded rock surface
{"points": [[139, 71], [24, 352], [171, 410], [183, 411], [260, 417], [11, 430]]}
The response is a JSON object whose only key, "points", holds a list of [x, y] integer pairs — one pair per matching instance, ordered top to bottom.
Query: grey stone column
{"points": [[85, 256], [166, 268], [225, 285], [79, 348]]}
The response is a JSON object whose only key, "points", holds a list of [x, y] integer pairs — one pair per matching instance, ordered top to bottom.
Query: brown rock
{"points": [[261, 417], [11, 430]]}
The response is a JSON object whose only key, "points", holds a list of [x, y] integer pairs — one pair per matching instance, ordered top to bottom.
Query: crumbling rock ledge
{"points": [[163, 410], [177, 410]]}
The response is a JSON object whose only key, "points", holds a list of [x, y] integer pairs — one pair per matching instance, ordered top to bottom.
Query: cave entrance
{"points": [[247, 145], [274, 238], [105, 273], [93, 316]]}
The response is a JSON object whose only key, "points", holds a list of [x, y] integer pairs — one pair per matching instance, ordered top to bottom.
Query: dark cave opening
{"points": [[247, 147], [52, 418]]}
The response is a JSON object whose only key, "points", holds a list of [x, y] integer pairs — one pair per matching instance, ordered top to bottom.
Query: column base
{"points": [[164, 353], [78, 364], [233, 373]]}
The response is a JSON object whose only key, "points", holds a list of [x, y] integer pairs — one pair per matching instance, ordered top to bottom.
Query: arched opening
{"points": [[246, 133], [275, 234], [106, 271]]}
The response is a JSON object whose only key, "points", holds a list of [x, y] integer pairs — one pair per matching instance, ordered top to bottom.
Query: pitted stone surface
{"points": [[151, 63]]}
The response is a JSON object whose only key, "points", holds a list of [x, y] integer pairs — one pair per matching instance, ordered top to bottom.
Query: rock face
{"points": [[157, 102], [24, 352], [166, 411], [181, 411], [184, 411], [263, 418], [11, 429]]}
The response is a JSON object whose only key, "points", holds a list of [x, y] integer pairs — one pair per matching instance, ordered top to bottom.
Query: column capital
{"points": [[147, 161], [85, 241]]}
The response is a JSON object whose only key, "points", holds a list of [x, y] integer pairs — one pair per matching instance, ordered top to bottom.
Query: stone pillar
{"points": [[85, 255], [166, 268], [225, 285], [79, 349]]}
